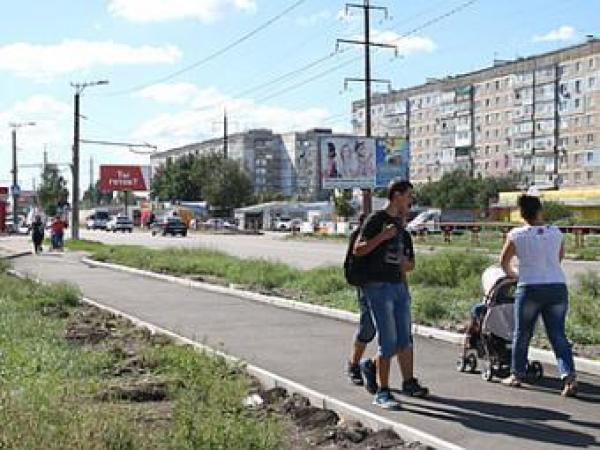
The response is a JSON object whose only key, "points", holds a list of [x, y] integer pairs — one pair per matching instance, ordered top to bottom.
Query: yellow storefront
{"points": [[584, 202]]}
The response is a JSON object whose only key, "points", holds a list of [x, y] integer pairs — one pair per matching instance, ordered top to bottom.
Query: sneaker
{"points": [[369, 372], [354, 374], [512, 381], [570, 387], [414, 389], [386, 400]]}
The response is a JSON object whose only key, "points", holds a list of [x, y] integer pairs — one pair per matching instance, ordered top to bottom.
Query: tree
{"points": [[210, 177], [226, 185], [458, 190], [52, 193], [93, 196], [343, 207], [555, 211]]}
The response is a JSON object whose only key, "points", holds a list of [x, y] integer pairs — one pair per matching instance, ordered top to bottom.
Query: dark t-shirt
{"points": [[384, 262]]}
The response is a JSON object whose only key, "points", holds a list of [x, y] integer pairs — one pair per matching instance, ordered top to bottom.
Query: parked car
{"points": [[97, 221], [119, 223], [219, 224], [288, 224], [172, 225]]}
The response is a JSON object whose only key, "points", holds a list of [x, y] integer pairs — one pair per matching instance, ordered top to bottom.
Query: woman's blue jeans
{"points": [[551, 301]]}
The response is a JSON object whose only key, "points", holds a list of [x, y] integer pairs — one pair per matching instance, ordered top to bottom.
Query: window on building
{"points": [[591, 63], [577, 67], [591, 82], [497, 85], [578, 86], [487, 102], [577, 102], [590, 138], [576, 140], [590, 157], [590, 175]]}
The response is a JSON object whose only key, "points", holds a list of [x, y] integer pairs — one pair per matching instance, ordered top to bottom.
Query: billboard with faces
{"points": [[347, 162]]}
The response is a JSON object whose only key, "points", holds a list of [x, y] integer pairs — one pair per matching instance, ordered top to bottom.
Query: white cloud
{"points": [[164, 10], [314, 19], [564, 33], [405, 45], [41, 62], [175, 93], [202, 115]]}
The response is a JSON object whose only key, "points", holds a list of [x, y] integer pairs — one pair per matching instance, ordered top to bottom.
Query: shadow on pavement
{"points": [[511, 420]]}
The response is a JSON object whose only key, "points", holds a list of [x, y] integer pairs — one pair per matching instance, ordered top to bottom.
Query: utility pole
{"points": [[367, 7], [79, 88], [225, 136], [15, 174]]}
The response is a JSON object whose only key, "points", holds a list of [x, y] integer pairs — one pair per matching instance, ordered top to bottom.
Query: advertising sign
{"points": [[393, 160], [347, 162], [124, 178]]}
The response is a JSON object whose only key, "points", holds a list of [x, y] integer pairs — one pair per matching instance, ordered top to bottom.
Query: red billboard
{"points": [[124, 178]]}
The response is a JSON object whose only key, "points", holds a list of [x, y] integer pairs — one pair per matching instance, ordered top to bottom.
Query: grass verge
{"points": [[444, 286], [75, 377]]}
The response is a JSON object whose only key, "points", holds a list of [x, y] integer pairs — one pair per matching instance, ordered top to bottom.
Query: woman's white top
{"points": [[538, 249]]}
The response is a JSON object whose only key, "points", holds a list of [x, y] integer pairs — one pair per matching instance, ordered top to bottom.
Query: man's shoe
{"points": [[369, 372], [354, 374], [512, 381], [570, 387], [414, 389], [386, 400]]}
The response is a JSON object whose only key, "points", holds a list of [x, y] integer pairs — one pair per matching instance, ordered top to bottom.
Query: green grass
{"points": [[490, 241], [443, 286], [48, 387]]}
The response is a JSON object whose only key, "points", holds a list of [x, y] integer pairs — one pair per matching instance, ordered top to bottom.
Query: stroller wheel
{"points": [[472, 363], [461, 364], [535, 370], [487, 373]]}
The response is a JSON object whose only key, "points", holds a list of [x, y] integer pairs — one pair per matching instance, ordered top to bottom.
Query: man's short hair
{"points": [[400, 186]]}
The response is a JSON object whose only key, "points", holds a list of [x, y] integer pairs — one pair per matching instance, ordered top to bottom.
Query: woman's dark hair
{"points": [[529, 206]]}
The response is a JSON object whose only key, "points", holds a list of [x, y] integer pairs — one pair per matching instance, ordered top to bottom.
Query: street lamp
{"points": [[79, 88], [15, 190]]}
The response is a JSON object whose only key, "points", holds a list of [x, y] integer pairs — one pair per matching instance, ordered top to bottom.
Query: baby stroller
{"points": [[489, 335]]}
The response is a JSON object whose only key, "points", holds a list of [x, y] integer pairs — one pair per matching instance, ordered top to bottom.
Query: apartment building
{"points": [[536, 118], [260, 153]]}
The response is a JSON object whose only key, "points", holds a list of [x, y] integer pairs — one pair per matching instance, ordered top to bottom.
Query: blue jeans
{"points": [[551, 301], [390, 307], [366, 328]]}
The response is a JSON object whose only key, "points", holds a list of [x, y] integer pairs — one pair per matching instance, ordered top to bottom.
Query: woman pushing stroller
{"points": [[541, 289]]}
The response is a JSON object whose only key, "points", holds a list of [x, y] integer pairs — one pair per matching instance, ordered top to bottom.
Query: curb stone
{"points": [[545, 356], [270, 379]]}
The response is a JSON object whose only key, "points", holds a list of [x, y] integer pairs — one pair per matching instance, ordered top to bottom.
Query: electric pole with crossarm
{"points": [[367, 7]]}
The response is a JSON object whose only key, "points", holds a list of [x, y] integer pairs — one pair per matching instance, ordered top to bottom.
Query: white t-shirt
{"points": [[538, 249]]}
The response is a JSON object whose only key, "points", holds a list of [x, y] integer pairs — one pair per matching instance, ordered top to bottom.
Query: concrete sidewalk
{"points": [[311, 350]]}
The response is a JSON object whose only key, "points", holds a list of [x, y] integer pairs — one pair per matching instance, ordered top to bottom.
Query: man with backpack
{"points": [[385, 251], [366, 328]]}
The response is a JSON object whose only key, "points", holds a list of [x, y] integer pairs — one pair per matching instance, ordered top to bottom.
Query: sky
{"points": [[175, 65]]}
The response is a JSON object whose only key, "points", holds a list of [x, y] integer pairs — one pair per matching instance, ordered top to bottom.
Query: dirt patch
{"points": [[143, 390], [322, 428]]}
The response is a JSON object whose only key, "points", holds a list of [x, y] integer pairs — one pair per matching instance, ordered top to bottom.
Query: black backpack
{"points": [[355, 267]]}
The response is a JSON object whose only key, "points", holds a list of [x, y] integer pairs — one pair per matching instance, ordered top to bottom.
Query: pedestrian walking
{"points": [[37, 234], [57, 236], [390, 255], [541, 289], [365, 332]]}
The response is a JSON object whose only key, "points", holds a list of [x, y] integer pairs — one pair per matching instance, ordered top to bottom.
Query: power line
{"points": [[217, 53]]}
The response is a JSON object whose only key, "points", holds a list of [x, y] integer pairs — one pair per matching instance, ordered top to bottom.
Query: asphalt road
{"points": [[272, 246], [311, 350]]}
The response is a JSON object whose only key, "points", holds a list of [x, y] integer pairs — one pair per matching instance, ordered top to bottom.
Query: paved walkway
{"points": [[311, 350]]}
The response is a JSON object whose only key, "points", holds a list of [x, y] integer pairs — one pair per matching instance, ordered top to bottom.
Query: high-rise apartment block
{"points": [[536, 118]]}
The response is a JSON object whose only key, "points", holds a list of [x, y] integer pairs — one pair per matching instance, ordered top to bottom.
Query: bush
{"points": [[449, 269]]}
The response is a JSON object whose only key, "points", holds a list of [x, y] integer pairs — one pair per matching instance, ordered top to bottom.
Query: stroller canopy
{"points": [[491, 277]]}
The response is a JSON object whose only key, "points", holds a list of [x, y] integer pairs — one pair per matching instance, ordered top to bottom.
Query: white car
{"points": [[97, 221], [119, 223], [288, 224]]}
